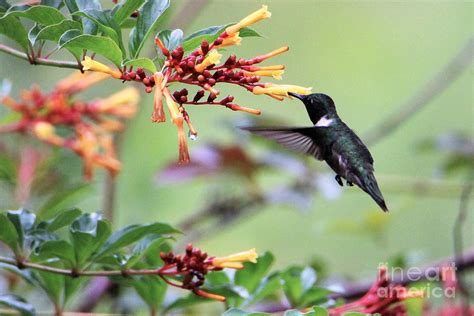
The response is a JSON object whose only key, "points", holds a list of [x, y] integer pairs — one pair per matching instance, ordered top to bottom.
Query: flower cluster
{"points": [[203, 68], [86, 128], [195, 264], [384, 298]]}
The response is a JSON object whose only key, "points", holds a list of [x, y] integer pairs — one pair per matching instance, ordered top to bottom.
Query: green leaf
{"points": [[52, 3], [81, 5], [123, 11], [39, 13], [147, 21], [106, 24], [11, 27], [54, 32], [210, 34], [66, 37], [171, 39], [101, 45], [143, 63], [7, 166], [63, 197], [63, 219], [24, 222], [8, 233], [88, 233], [131, 234], [149, 244], [58, 249], [252, 273], [295, 282], [51, 283], [268, 286], [150, 288], [314, 296], [186, 302], [17, 303], [320, 311], [239, 312], [295, 312]]}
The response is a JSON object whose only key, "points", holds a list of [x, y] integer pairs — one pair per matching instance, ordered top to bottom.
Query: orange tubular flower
{"points": [[252, 18], [80, 81], [121, 104], [158, 113], [178, 119], [46, 132]]}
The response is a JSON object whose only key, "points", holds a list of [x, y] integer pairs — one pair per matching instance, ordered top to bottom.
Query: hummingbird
{"points": [[331, 140]]}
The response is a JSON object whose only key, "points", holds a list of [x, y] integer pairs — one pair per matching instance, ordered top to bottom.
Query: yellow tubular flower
{"points": [[252, 18], [230, 41], [273, 53], [212, 58], [92, 65], [265, 73], [78, 81], [280, 90], [122, 103], [158, 114], [47, 133], [236, 261]]}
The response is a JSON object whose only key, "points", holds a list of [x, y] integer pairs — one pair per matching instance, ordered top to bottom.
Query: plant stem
{"points": [[37, 60], [87, 273]]}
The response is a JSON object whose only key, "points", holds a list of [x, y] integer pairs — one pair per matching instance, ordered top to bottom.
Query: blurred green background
{"points": [[370, 56]]}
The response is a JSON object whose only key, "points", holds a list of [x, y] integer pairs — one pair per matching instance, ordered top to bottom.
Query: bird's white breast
{"points": [[324, 122]]}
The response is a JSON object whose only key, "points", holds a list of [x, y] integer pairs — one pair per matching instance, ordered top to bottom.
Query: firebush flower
{"points": [[205, 68], [86, 128], [195, 264], [383, 298]]}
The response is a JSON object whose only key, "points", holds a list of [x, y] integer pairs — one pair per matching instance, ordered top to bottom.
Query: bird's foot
{"points": [[339, 180], [349, 183]]}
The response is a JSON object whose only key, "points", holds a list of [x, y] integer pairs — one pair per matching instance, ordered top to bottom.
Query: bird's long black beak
{"points": [[296, 95]]}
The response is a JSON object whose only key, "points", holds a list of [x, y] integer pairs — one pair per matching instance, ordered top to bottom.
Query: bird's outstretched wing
{"points": [[294, 138]]}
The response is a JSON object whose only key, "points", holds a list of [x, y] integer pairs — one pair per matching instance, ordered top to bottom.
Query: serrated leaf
{"points": [[73, 6], [123, 11], [39, 13], [147, 21], [106, 24], [12, 28], [54, 32], [103, 46], [142, 62], [8, 233], [88, 233], [131, 234], [58, 249], [252, 273], [17, 303]]}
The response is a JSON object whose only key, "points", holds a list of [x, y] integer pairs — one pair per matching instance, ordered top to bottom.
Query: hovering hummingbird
{"points": [[330, 139]]}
